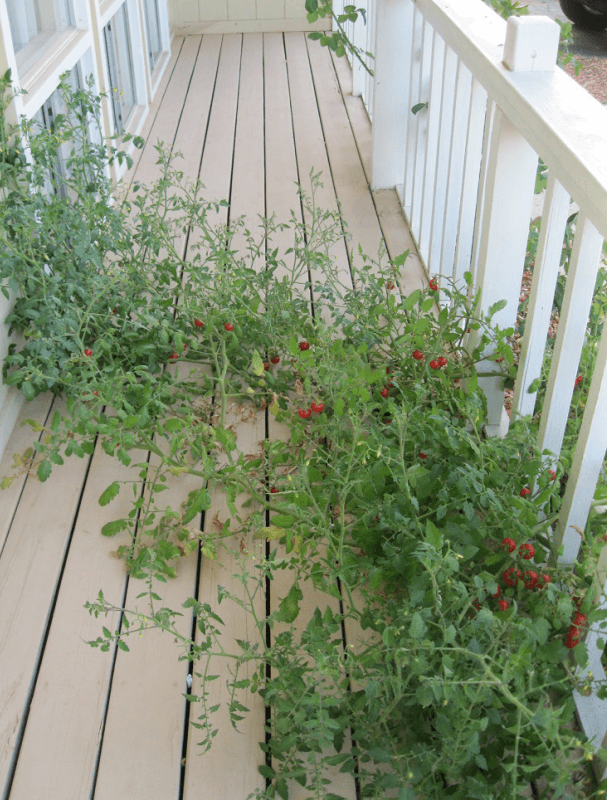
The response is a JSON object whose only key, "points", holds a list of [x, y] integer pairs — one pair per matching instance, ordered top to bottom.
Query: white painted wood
{"points": [[338, 8], [231, 26], [359, 39], [531, 44], [413, 70], [370, 83], [391, 94], [433, 112], [560, 120], [421, 129], [479, 131], [445, 136], [511, 169], [477, 186], [447, 228], [581, 279], [539, 309], [588, 460], [591, 711]]}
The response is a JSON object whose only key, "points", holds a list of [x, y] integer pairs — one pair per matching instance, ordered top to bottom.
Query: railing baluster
{"points": [[338, 8], [417, 32], [359, 39], [371, 47], [433, 113], [479, 124], [421, 129], [446, 132], [455, 170], [508, 194], [581, 278], [541, 297], [589, 453], [592, 712]]}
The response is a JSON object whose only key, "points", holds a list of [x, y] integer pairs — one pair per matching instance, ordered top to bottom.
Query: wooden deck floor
{"points": [[252, 115]]}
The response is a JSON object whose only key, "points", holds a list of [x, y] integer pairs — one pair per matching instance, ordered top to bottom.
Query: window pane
{"points": [[33, 24], [152, 26], [120, 67], [50, 110]]}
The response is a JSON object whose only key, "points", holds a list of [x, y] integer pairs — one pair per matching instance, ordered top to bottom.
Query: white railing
{"points": [[465, 169]]}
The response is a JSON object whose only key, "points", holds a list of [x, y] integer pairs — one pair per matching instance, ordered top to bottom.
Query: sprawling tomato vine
{"points": [[445, 638]]}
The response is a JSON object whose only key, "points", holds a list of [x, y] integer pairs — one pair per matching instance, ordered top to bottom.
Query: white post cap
{"points": [[531, 44]]}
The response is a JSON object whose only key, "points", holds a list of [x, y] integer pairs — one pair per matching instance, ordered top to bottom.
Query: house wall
{"points": [[240, 16], [83, 43]]}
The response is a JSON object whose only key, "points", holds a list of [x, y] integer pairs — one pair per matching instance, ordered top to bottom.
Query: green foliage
{"points": [[338, 41], [389, 507]]}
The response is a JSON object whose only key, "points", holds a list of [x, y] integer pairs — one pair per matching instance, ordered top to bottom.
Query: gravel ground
{"points": [[588, 47], [593, 76]]}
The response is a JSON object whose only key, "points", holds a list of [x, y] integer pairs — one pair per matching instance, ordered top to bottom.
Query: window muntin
{"points": [[34, 25], [152, 27], [120, 67]]}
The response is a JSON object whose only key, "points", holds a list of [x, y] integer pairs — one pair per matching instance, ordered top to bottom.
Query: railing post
{"points": [[391, 93], [511, 164]]}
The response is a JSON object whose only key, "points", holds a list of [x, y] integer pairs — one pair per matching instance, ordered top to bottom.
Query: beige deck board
{"points": [[252, 114], [150, 120], [166, 120], [310, 141], [216, 168], [348, 175], [248, 190], [282, 198], [397, 235], [21, 439], [29, 571], [146, 712], [65, 718], [141, 752], [233, 760]]}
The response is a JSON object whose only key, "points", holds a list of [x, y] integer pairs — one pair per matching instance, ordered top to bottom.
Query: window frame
{"points": [[135, 26], [47, 47], [120, 67]]}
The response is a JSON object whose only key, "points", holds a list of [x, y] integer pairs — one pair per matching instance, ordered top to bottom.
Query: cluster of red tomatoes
{"points": [[533, 580]]}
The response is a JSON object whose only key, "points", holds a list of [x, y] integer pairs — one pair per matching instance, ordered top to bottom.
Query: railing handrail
{"points": [[563, 123]]}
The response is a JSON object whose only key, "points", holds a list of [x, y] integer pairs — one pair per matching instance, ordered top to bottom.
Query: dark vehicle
{"points": [[588, 14]]}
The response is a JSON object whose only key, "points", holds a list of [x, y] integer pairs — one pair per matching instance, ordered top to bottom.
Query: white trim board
{"points": [[246, 26]]}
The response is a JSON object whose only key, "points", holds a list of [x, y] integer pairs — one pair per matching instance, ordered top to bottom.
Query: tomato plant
{"points": [[387, 503]]}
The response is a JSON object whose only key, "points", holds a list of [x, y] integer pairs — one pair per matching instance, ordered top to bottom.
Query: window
{"points": [[34, 24], [152, 27], [120, 67], [49, 111]]}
